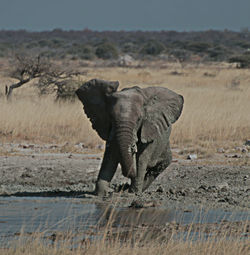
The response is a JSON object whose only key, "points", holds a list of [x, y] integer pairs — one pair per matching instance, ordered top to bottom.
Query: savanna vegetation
{"points": [[208, 45], [39, 72], [216, 108]]}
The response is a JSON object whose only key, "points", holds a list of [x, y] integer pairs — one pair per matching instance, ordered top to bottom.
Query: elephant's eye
{"points": [[109, 90]]}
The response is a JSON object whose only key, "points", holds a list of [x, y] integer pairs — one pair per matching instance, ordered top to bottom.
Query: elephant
{"points": [[136, 124]]}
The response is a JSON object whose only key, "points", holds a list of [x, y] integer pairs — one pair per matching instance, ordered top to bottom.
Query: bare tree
{"points": [[28, 68]]}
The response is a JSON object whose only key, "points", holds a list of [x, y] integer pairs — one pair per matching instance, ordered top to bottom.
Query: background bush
{"points": [[152, 48], [106, 50], [242, 60]]}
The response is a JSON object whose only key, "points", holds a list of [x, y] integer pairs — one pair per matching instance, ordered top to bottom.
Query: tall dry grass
{"points": [[216, 109], [43, 120], [137, 241], [225, 247]]}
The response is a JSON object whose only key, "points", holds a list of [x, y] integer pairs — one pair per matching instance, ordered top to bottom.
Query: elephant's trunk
{"points": [[124, 138]]}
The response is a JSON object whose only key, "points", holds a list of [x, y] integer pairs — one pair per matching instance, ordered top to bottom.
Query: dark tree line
{"points": [[86, 44]]}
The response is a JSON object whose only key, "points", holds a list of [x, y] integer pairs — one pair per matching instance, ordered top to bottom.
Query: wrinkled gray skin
{"points": [[136, 125]]}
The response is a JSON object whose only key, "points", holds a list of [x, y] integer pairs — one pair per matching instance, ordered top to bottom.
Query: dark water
{"points": [[37, 214]]}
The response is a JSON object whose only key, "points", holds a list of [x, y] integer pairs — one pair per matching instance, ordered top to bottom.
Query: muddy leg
{"points": [[141, 166], [107, 171], [152, 173], [137, 182]]}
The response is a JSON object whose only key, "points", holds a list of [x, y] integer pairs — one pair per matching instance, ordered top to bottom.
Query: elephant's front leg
{"points": [[107, 171], [153, 172], [137, 182]]}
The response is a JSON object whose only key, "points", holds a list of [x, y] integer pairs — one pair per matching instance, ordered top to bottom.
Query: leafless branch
{"points": [[28, 68]]}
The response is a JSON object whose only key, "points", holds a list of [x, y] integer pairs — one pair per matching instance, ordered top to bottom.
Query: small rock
{"points": [[125, 60], [247, 143], [80, 145], [24, 146], [54, 146], [238, 148], [221, 150], [244, 150], [192, 156], [233, 156], [90, 170], [26, 175], [245, 177], [203, 186], [222, 186], [160, 189], [171, 191], [182, 192], [222, 200]]}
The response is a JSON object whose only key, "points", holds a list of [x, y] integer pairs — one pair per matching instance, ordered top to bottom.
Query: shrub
{"points": [[243, 44], [129, 47], [198, 47], [152, 48], [4, 49], [106, 50], [82, 51], [218, 53], [180, 55], [242, 60], [62, 89], [65, 90]]}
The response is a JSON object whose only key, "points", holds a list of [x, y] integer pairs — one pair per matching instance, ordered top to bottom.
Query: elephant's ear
{"points": [[93, 94], [162, 108]]}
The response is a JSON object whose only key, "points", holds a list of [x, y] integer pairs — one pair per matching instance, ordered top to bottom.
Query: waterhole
{"points": [[27, 215]]}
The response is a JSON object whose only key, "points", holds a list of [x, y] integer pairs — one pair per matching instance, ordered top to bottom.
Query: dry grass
{"points": [[216, 110], [43, 120], [123, 241], [224, 247]]}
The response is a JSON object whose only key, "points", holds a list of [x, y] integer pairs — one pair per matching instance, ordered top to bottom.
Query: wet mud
{"points": [[185, 183]]}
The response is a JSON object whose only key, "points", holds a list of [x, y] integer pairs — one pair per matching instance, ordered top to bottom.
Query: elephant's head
{"points": [[94, 95], [129, 115]]}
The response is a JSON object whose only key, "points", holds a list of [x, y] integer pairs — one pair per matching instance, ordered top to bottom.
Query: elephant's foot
{"points": [[148, 180], [136, 186], [102, 188]]}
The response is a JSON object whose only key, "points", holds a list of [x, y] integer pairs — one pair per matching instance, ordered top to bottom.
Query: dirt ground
{"points": [[222, 181]]}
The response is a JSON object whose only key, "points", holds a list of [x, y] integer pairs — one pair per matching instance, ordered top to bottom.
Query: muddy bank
{"points": [[31, 171]]}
